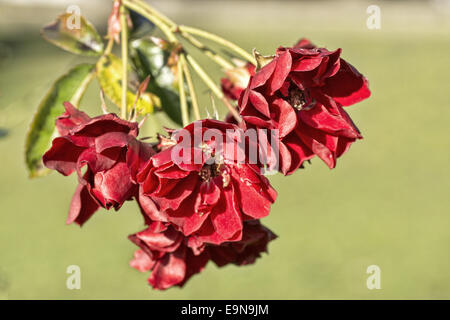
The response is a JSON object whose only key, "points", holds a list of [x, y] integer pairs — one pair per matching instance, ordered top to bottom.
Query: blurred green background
{"points": [[387, 202]]}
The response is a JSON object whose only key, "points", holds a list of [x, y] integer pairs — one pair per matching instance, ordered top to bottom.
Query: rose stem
{"points": [[147, 13], [160, 21], [171, 37], [215, 38], [195, 42], [207, 51], [190, 84], [214, 88], [182, 92]]}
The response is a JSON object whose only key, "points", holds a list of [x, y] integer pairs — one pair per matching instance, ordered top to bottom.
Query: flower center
{"points": [[296, 98], [209, 171]]}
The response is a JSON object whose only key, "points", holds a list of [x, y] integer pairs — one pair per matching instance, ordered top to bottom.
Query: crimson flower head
{"points": [[301, 93], [106, 156], [204, 185], [173, 258]]}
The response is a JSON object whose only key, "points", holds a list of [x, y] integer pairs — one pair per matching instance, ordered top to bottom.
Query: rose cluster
{"points": [[301, 93], [201, 191]]}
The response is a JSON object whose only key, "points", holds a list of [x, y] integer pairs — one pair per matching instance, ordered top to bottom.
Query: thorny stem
{"points": [[168, 27], [186, 32], [201, 33], [124, 42], [207, 51], [204, 76], [191, 87], [214, 88]]}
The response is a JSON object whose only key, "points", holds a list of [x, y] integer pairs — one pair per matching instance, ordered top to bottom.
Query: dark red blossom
{"points": [[301, 93], [106, 156], [211, 192], [173, 258]]}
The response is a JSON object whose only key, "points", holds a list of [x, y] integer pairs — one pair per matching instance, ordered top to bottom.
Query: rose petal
{"points": [[347, 86], [70, 119], [62, 156], [82, 207], [142, 262], [169, 271]]}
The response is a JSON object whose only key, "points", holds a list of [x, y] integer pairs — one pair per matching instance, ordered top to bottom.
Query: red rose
{"points": [[237, 80], [344, 83], [301, 93], [107, 146], [210, 193], [174, 258]]}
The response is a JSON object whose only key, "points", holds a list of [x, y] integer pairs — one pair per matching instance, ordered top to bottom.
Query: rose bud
{"points": [[300, 93], [105, 147], [205, 183]]}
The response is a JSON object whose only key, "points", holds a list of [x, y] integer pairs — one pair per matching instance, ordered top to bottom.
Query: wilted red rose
{"points": [[334, 76], [237, 80], [301, 93], [107, 147], [211, 192], [173, 258]]}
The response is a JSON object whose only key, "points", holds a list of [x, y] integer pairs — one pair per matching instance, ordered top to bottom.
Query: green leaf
{"points": [[74, 34], [152, 60], [109, 75], [70, 87]]}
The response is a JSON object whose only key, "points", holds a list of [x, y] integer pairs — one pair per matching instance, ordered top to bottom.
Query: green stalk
{"points": [[147, 12], [155, 13], [168, 27], [215, 38], [124, 42], [195, 42], [109, 47], [207, 51], [191, 87], [214, 88], [182, 92]]}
